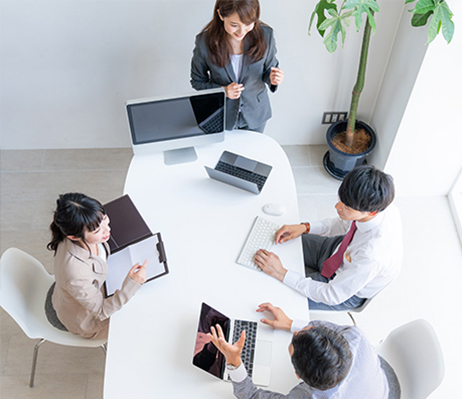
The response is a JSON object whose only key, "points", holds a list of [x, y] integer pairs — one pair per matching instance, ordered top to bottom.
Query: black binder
{"points": [[127, 225], [131, 234]]}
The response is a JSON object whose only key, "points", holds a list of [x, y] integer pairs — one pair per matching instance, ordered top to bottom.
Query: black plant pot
{"points": [[339, 163]]}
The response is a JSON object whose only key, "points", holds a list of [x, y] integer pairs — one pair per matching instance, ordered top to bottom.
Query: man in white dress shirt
{"points": [[372, 258], [334, 362]]}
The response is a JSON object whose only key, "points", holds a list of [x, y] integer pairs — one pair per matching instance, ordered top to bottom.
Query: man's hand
{"points": [[289, 232], [270, 264], [138, 272], [281, 320], [232, 353]]}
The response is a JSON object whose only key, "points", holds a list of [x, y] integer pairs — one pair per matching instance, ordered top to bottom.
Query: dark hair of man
{"points": [[217, 38], [367, 189], [74, 213], [321, 357]]}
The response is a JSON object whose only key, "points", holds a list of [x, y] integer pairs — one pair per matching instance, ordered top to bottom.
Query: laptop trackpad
{"points": [[246, 163], [263, 351], [262, 363]]}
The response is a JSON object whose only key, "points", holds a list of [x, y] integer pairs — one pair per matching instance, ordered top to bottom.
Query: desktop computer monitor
{"points": [[175, 125]]}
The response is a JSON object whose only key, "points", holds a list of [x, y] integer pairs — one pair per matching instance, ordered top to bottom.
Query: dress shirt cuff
{"points": [[316, 227], [291, 278], [297, 325], [238, 375]]}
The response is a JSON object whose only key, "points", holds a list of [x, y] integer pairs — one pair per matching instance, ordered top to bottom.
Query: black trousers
{"points": [[316, 249]]}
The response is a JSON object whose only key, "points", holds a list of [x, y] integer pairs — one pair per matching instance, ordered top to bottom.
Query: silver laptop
{"points": [[240, 171], [256, 354]]}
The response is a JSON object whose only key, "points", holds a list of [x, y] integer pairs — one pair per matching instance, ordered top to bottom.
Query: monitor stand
{"points": [[180, 155]]}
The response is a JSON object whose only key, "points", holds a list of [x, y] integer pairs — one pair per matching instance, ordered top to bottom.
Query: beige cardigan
{"points": [[78, 296]]}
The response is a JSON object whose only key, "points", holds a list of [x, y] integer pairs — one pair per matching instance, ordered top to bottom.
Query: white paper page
{"points": [[147, 249], [119, 264]]}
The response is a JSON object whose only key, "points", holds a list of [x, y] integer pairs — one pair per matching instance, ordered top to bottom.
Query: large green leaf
{"points": [[363, 6], [424, 6], [319, 11], [420, 19], [441, 19], [335, 24]]}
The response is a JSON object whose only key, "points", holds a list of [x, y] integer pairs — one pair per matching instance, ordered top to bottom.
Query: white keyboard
{"points": [[261, 236]]}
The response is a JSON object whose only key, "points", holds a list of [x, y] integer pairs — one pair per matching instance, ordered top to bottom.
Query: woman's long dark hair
{"points": [[216, 36], [74, 212]]}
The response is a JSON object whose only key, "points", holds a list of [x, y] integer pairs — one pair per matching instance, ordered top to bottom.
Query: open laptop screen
{"points": [[206, 355]]}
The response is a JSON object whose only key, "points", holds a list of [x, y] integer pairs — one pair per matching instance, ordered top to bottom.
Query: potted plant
{"points": [[350, 141]]}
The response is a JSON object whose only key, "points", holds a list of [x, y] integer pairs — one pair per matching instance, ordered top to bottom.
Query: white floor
{"points": [[428, 286]]}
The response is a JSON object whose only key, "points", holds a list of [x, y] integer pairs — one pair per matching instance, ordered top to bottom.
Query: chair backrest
{"points": [[24, 283], [363, 306], [414, 352]]}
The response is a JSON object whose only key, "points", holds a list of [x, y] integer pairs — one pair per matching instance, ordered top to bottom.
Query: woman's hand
{"points": [[276, 76], [233, 90], [289, 232], [269, 262], [138, 272], [281, 320], [232, 353]]}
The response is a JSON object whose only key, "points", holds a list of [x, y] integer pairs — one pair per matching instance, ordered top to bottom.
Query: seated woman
{"points": [[75, 302]]}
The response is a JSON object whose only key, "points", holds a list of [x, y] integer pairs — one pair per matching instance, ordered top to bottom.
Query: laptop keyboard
{"points": [[214, 124], [236, 171], [261, 236], [248, 352]]}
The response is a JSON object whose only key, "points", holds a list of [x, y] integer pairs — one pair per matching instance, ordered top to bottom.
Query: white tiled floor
{"points": [[428, 286]]}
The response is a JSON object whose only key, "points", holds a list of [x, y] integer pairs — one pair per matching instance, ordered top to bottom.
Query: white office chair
{"points": [[24, 284], [359, 309], [332, 314], [414, 352]]}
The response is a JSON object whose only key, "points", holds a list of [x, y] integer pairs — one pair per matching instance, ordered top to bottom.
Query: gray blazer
{"points": [[253, 103], [367, 378], [246, 390]]}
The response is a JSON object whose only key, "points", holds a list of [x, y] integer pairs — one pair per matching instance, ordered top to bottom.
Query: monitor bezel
{"points": [[175, 143]]}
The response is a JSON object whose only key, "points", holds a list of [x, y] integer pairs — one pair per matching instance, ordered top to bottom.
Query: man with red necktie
{"points": [[352, 257]]}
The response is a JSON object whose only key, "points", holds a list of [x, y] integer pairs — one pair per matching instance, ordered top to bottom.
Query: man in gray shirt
{"points": [[332, 361]]}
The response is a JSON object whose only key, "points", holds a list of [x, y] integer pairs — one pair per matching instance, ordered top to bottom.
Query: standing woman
{"points": [[237, 51], [80, 231]]}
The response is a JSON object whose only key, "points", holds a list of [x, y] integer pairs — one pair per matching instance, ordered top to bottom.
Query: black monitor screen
{"points": [[160, 120]]}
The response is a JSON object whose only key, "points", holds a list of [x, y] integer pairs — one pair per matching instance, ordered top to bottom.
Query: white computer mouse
{"points": [[274, 209]]}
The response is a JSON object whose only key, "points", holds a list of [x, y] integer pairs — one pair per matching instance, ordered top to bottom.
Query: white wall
{"points": [[405, 60], [68, 67], [426, 156]]}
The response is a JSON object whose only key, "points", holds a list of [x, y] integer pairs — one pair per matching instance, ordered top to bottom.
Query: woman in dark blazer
{"points": [[238, 52]]}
